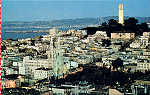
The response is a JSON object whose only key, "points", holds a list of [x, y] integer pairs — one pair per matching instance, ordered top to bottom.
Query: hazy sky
{"points": [[34, 10]]}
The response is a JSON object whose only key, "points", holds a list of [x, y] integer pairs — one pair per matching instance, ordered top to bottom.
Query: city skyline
{"points": [[37, 10], [109, 55]]}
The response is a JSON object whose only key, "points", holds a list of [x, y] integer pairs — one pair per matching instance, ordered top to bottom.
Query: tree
{"points": [[131, 21], [112, 22], [104, 24], [131, 24], [114, 25], [143, 27], [38, 38], [33, 42], [106, 42], [3, 47], [148, 47], [117, 63]]}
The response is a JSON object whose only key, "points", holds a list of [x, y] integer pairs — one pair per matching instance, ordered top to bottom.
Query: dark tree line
{"points": [[130, 25], [106, 42], [117, 63], [95, 75]]}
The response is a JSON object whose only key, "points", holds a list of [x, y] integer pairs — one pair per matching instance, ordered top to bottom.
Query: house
{"points": [[146, 34], [122, 35], [29, 65], [143, 65], [42, 73], [12, 81]]}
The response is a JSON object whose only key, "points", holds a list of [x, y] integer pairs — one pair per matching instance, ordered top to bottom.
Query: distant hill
{"points": [[66, 22]]}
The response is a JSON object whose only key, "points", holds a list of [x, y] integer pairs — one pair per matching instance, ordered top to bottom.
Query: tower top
{"points": [[120, 6]]}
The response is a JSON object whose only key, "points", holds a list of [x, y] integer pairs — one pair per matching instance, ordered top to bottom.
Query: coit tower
{"points": [[121, 17]]}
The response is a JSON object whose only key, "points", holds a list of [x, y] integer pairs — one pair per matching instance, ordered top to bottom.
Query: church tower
{"points": [[121, 17], [56, 55]]}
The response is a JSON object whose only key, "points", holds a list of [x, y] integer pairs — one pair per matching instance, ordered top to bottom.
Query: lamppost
{"points": [[136, 90]]}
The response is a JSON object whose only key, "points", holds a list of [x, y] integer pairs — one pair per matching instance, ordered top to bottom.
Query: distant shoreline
{"points": [[24, 31], [21, 35]]}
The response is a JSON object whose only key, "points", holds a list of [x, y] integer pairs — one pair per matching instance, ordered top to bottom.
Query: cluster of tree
{"points": [[130, 25], [38, 38], [106, 42], [3, 47], [28, 51], [118, 63], [95, 75], [103, 76]]}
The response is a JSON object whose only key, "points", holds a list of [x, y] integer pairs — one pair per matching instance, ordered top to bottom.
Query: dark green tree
{"points": [[131, 21], [112, 22], [104, 24], [131, 24], [114, 26], [144, 27], [106, 42], [3, 47], [117, 63]]}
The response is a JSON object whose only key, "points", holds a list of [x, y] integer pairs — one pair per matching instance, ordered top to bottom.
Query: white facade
{"points": [[102, 34], [146, 34], [46, 38], [135, 45], [28, 66], [143, 66], [10, 71], [42, 73]]}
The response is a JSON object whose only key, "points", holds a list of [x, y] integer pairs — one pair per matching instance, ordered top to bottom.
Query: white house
{"points": [[41, 73]]}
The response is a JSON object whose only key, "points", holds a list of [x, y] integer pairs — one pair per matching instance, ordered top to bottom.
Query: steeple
{"points": [[56, 56]]}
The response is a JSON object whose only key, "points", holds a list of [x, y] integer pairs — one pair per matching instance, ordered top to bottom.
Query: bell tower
{"points": [[56, 55]]}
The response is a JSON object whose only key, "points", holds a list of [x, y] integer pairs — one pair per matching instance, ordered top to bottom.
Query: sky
{"points": [[46, 10]]}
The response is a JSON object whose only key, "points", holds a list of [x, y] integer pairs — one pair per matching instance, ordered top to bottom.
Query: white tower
{"points": [[121, 16]]}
